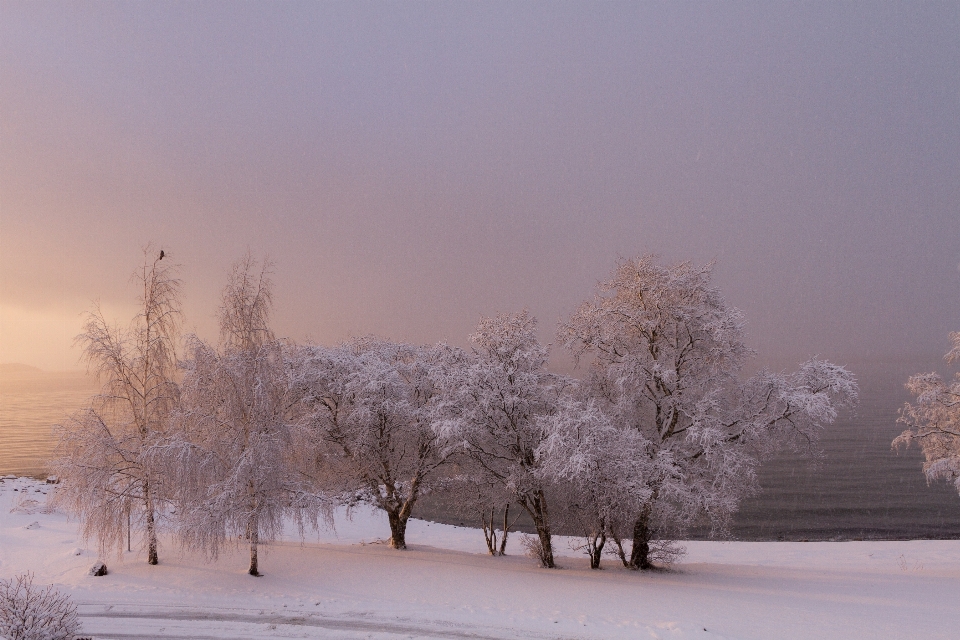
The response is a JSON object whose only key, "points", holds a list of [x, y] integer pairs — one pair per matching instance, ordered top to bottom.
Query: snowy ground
{"points": [[347, 585]]}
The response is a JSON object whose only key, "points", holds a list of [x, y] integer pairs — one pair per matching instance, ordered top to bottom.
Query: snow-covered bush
{"points": [[533, 548], [665, 553], [30, 613]]}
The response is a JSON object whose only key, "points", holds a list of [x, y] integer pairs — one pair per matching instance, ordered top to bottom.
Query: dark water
{"points": [[861, 489]]}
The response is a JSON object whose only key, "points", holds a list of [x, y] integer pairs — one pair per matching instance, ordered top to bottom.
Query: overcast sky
{"points": [[412, 166]]}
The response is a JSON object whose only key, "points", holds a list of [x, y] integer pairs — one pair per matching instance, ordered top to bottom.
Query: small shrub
{"points": [[534, 549], [666, 553], [30, 613]]}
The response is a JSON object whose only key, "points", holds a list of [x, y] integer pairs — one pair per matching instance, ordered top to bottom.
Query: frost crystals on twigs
{"points": [[664, 352], [372, 411], [933, 420], [106, 453], [235, 454], [30, 613]]}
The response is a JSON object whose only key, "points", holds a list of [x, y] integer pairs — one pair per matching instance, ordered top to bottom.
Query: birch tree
{"points": [[664, 353], [498, 401], [373, 405], [933, 420], [234, 449], [106, 452]]}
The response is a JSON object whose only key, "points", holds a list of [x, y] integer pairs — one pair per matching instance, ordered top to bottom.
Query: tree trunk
{"points": [[536, 506], [398, 517], [253, 528], [506, 528], [398, 529], [489, 533], [595, 544], [496, 546], [546, 546], [620, 553], [640, 554], [152, 557]]}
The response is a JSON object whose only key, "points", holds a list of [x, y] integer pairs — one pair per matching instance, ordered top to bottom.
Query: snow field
{"points": [[347, 584]]}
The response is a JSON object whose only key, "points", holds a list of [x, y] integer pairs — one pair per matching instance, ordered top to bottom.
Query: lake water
{"points": [[31, 402], [861, 489]]}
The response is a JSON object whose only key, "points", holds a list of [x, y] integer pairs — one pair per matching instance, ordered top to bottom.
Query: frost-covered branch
{"points": [[665, 355], [371, 411], [933, 420], [105, 454]]}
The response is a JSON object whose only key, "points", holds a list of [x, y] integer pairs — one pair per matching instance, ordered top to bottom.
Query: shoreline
{"points": [[862, 536]]}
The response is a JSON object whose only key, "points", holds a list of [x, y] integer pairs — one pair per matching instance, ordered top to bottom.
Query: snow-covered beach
{"points": [[346, 584]]}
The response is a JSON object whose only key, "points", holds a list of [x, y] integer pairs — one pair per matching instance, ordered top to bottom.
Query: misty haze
{"points": [[631, 279]]}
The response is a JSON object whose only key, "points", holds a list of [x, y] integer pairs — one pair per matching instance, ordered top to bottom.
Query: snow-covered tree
{"points": [[665, 353], [372, 407], [496, 408], [933, 420], [233, 452], [105, 454], [600, 473], [30, 613]]}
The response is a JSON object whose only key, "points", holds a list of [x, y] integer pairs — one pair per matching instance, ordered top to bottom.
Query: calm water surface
{"points": [[31, 402], [861, 489]]}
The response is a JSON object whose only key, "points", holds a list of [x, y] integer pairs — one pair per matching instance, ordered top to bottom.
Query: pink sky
{"points": [[411, 167]]}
